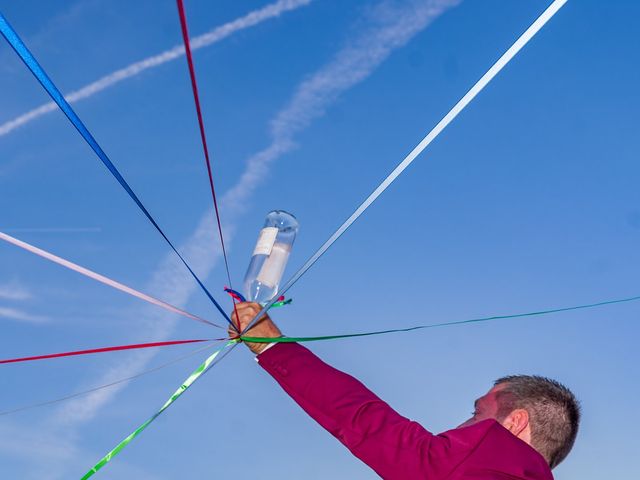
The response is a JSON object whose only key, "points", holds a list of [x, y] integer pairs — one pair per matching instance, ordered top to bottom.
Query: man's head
{"points": [[538, 410]]}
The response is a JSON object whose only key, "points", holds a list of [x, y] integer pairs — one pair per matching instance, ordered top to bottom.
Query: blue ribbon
{"points": [[23, 52]]}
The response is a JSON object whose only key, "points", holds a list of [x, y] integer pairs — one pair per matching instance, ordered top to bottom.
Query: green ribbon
{"points": [[281, 303], [435, 325], [183, 388]]}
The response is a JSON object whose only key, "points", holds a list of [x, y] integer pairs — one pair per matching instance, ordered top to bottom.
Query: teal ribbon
{"points": [[434, 325]]}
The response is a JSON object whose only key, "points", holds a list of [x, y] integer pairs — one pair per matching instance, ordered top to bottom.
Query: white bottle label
{"points": [[266, 239], [273, 267]]}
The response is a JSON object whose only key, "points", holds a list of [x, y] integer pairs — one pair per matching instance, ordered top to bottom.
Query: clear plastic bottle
{"points": [[270, 256]]}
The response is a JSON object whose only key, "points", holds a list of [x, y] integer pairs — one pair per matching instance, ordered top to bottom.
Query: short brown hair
{"points": [[554, 412]]}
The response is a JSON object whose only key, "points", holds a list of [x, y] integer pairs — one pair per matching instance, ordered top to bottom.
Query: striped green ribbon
{"points": [[434, 325], [183, 388]]}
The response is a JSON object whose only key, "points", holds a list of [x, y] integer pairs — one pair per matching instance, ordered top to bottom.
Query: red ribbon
{"points": [[203, 137], [104, 349]]}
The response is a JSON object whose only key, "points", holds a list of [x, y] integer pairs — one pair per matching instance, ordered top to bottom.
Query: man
{"points": [[521, 429]]}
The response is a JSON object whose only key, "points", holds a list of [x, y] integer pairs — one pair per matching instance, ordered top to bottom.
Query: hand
{"points": [[246, 311]]}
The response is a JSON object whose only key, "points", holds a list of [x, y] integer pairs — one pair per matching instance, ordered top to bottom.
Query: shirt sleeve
{"points": [[392, 445]]}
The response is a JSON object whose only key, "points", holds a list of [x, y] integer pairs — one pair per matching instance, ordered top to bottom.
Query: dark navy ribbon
{"points": [[23, 52], [235, 294]]}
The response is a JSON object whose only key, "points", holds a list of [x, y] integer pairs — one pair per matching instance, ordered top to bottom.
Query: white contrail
{"points": [[251, 19], [391, 25], [52, 230], [14, 291], [20, 316]]}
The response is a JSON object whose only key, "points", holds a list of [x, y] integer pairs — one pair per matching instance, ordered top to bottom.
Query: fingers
{"points": [[244, 306], [246, 311], [243, 314]]}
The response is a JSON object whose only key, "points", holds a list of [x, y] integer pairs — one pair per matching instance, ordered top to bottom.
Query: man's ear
{"points": [[517, 422]]}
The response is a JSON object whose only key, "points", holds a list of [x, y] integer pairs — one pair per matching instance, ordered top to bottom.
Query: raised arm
{"points": [[392, 445]]}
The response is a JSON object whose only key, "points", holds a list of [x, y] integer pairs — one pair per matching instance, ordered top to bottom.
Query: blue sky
{"points": [[528, 200]]}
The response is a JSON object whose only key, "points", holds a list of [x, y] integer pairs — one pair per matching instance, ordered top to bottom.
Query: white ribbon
{"points": [[426, 141], [101, 278]]}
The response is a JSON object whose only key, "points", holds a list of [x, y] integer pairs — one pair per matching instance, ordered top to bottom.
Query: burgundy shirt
{"points": [[392, 445]]}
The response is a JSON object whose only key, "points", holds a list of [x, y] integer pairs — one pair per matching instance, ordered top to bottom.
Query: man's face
{"points": [[485, 407]]}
